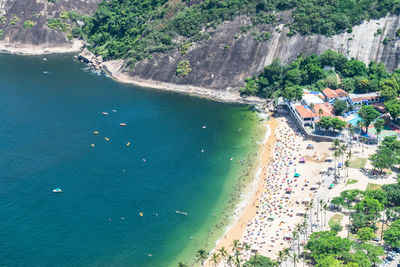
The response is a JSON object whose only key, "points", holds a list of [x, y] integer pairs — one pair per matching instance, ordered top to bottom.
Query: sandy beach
{"points": [[280, 198], [248, 208]]}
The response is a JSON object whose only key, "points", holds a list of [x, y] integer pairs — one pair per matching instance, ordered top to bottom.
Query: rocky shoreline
{"points": [[29, 49], [115, 70]]}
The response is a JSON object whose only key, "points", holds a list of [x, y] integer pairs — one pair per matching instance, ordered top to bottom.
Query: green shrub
{"points": [[13, 20], [56, 23], [28, 24], [245, 28], [379, 31], [398, 32], [1, 33], [264, 36], [184, 47], [183, 68], [336, 227]]}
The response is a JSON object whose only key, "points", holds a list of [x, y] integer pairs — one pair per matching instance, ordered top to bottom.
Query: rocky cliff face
{"points": [[13, 14], [229, 56], [220, 63]]}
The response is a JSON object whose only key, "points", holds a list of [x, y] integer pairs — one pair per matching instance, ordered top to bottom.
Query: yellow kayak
{"points": [[96, 132], [107, 139], [128, 144], [92, 145]]}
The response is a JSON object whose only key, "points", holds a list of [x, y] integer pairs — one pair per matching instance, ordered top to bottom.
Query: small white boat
{"points": [[104, 113], [122, 124], [204, 127], [57, 190], [181, 212]]}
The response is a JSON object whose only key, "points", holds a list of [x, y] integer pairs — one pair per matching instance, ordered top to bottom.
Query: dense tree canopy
{"points": [[137, 28], [309, 72], [368, 114], [392, 235], [328, 249]]}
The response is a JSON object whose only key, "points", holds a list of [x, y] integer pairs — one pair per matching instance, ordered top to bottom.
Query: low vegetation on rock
{"points": [[28, 24], [183, 69]]}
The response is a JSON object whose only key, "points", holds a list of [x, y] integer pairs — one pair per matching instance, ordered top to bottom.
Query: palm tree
{"points": [[312, 107], [320, 112], [351, 129], [363, 140], [335, 144], [343, 149], [349, 154], [336, 155], [347, 165], [321, 204], [325, 206], [310, 207], [305, 225], [295, 236], [235, 245], [247, 247], [235, 250], [223, 253], [286, 253], [201, 255], [281, 257], [215, 259], [237, 259], [295, 259], [230, 260], [181, 264]]}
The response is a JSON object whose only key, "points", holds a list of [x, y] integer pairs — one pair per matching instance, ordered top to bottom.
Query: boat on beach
{"points": [[57, 190]]}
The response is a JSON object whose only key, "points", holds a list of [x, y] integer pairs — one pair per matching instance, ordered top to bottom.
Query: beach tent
{"points": [[310, 146], [328, 159], [302, 160], [340, 165], [297, 174], [314, 187], [288, 190], [300, 212], [271, 217], [288, 236]]}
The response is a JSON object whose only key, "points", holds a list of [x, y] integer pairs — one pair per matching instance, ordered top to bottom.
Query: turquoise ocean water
{"points": [[48, 113]]}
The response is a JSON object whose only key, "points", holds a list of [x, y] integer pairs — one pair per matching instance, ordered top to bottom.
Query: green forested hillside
{"points": [[135, 29], [308, 72]]}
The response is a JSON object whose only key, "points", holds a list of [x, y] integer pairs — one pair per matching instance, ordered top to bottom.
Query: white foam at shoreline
{"points": [[248, 193]]}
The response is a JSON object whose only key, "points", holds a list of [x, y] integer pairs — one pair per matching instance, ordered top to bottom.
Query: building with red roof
{"points": [[332, 95]]}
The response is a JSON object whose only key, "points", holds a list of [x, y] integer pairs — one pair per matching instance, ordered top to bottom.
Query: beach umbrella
{"points": [[297, 174]]}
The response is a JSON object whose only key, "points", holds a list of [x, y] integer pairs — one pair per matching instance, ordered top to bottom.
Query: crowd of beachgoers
{"points": [[286, 193]]}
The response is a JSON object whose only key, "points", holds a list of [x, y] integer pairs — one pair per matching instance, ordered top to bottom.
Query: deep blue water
{"points": [[48, 112]]}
